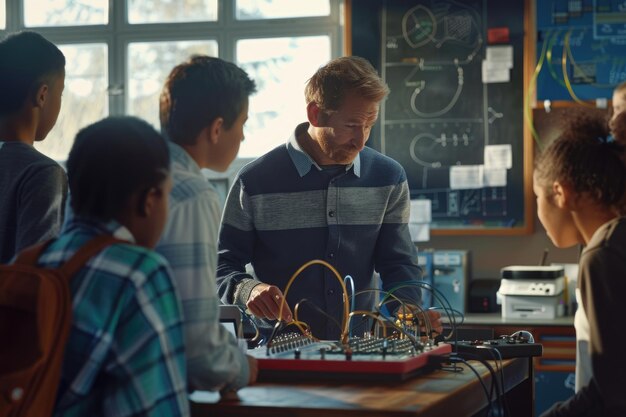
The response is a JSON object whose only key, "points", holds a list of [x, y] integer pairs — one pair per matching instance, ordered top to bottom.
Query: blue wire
{"points": [[345, 280]]}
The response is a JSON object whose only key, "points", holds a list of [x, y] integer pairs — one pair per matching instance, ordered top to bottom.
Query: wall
{"points": [[491, 253]]}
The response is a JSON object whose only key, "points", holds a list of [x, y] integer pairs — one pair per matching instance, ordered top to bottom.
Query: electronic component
{"points": [[362, 359]]}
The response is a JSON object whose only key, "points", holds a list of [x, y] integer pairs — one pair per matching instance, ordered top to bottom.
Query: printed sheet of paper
{"points": [[498, 156], [466, 177], [421, 211]]}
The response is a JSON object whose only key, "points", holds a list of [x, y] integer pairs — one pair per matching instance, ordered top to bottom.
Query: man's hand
{"points": [[265, 302], [435, 320]]}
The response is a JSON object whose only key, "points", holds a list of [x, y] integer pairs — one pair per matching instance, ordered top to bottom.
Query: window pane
{"points": [[280, 9], [165, 11], [66, 12], [3, 14], [149, 64], [280, 67], [85, 98]]}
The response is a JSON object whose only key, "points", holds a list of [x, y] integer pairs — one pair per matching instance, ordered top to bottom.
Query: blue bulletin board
{"points": [[581, 48]]}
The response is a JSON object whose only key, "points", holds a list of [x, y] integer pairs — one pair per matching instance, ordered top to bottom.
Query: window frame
{"points": [[227, 30]]}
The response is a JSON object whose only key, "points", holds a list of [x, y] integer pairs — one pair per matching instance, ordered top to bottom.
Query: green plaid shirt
{"points": [[125, 354]]}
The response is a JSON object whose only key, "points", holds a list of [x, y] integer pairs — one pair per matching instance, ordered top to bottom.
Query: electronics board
{"points": [[507, 347], [294, 357]]}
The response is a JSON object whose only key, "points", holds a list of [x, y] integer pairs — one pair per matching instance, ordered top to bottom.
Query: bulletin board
{"points": [[581, 49], [454, 119]]}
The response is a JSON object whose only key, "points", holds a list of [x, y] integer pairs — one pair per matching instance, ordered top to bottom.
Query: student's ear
{"points": [[40, 96], [313, 113], [215, 130], [564, 196], [148, 200]]}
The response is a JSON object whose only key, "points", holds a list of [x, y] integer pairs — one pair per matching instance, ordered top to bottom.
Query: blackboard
{"points": [[443, 112]]}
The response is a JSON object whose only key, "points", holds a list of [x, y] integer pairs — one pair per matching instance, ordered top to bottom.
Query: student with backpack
{"points": [[580, 184], [33, 187], [125, 353]]}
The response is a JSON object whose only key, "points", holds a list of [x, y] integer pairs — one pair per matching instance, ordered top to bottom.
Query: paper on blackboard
{"points": [[499, 156], [466, 177]]}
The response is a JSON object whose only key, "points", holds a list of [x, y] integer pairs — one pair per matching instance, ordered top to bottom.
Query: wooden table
{"points": [[440, 393]]}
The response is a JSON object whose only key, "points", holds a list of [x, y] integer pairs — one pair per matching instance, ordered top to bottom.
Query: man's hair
{"points": [[27, 60], [329, 86], [621, 88], [199, 91], [588, 157], [110, 161]]}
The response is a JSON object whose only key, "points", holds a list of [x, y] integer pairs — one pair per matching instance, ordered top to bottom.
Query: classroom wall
{"points": [[491, 253]]}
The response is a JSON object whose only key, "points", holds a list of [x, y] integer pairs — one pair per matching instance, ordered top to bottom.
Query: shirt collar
{"points": [[181, 159], [303, 162], [99, 227]]}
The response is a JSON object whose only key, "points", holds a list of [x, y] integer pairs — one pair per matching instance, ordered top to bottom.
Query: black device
{"points": [[482, 296], [508, 346]]}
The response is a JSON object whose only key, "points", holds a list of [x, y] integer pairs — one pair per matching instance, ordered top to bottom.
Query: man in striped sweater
{"points": [[323, 195]]}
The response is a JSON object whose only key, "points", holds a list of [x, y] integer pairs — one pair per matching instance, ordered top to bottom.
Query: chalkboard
{"points": [[593, 36], [456, 74]]}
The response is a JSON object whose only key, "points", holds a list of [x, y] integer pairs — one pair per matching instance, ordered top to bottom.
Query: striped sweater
{"points": [[284, 210]]}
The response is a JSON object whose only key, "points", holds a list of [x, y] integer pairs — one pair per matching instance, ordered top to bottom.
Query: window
{"points": [[65, 13], [3, 14], [120, 52], [149, 63], [283, 65]]}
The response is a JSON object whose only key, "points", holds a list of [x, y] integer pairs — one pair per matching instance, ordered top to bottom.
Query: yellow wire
{"points": [[553, 73], [566, 77], [587, 79], [531, 87], [346, 311], [374, 316], [306, 330]]}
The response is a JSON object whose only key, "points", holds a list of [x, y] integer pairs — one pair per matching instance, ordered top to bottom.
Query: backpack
{"points": [[35, 320]]}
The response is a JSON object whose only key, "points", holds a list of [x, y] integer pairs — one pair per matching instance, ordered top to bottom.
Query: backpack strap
{"points": [[85, 253], [31, 254]]}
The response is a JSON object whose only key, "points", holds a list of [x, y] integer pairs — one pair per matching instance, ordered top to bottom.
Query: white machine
{"points": [[532, 292]]}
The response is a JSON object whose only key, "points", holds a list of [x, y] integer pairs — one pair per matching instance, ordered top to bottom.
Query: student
{"points": [[619, 100], [204, 105], [580, 183], [33, 187], [322, 195], [125, 352]]}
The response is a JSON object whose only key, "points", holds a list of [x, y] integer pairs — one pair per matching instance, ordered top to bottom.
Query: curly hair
{"points": [[589, 157]]}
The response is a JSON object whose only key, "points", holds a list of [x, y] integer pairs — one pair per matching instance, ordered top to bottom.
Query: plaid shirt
{"points": [[125, 353]]}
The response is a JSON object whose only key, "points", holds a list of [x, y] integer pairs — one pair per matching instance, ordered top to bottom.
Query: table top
{"points": [[497, 319], [433, 394]]}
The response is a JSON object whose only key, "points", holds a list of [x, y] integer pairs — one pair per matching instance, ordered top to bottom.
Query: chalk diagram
{"points": [[438, 104]]}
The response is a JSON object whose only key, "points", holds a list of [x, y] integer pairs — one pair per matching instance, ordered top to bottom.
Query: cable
{"points": [[533, 85], [568, 85], [352, 295], [445, 304], [316, 308], [373, 315], [389, 320], [344, 331], [522, 333], [482, 383]]}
